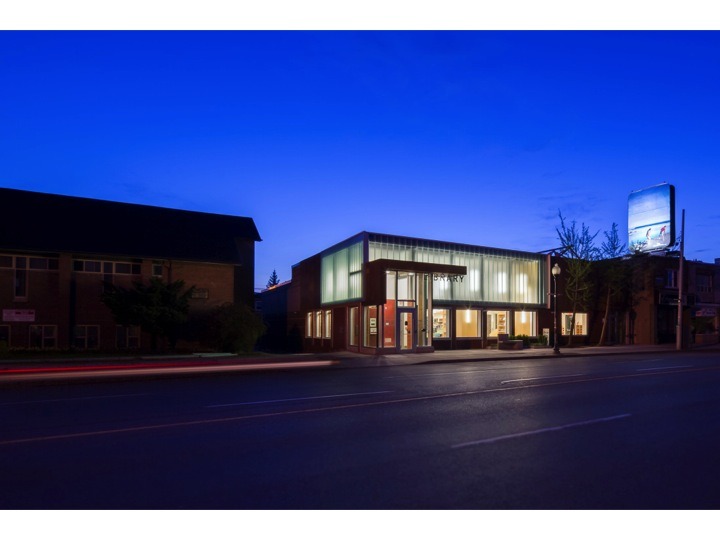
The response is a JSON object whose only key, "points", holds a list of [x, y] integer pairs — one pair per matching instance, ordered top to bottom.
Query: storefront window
{"points": [[390, 285], [406, 286], [422, 304], [371, 323], [441, 323], [467, 323], [497, 323], [525, 323], [318, 324], [328, 324], [388, 324], [308, 325], [581, 326], [352, 339]]}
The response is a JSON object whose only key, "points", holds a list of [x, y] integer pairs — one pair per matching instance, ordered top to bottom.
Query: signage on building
{"points": [[651, 218], [448, 277], [706, 312], [18, 315]]}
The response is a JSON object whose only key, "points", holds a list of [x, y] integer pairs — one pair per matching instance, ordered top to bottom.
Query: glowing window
{"points": [[441, 323], [467, 323], [580, 328]]}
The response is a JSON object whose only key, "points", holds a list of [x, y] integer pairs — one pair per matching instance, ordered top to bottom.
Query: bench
{"points": [[505, 343], [511, 344]]}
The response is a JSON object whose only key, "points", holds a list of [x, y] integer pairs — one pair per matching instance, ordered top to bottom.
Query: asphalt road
{"points": [[615, 432]]}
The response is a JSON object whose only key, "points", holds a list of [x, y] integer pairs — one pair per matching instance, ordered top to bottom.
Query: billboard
{"points": [[651, 218]]}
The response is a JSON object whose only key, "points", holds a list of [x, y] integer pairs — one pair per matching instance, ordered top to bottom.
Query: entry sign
{"points": [[18, 315]]}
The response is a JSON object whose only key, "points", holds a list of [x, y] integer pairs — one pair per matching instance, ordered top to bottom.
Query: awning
{"points": [[375, 282]]}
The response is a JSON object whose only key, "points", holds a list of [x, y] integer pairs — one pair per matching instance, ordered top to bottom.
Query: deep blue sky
{"points": [[477, 137]]}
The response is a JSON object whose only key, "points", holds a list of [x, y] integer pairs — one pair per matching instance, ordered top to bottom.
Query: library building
{"points": [[382, 294]]}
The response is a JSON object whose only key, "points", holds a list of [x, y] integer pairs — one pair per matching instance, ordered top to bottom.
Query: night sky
{"points": [[478, 137]]}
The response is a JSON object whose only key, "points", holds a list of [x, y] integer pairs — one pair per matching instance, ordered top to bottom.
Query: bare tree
{"points": [[578, 246], [614, 273]]}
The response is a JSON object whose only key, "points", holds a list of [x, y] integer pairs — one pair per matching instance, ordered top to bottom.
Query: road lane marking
{"points": [[659, 368], [440, 373], [543, 378], [297, 399], [151, 427], [540, 431]]}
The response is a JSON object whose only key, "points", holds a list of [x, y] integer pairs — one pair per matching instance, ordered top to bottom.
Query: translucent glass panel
{"points": [[385, 250], [341, 274], [492, 276]]}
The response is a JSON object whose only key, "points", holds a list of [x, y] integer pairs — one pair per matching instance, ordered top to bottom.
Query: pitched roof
{"points": [[58, 223]]}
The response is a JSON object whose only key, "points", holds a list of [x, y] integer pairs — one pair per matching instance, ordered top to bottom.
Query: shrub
{"points": [[232, 328]]}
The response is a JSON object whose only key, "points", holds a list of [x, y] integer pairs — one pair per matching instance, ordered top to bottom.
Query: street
{"points": [[609, 432]]}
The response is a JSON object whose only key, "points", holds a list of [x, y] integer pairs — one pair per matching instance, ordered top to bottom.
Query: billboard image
{"points": [[651, 218]]}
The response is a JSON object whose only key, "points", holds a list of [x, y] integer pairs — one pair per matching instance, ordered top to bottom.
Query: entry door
{"points": [[407, 329]]}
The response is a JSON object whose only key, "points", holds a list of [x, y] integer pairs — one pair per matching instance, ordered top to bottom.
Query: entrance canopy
{"points": [[375, 283]]}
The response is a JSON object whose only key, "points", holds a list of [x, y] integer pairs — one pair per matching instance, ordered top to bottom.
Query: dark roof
{"points": [[58, 223]]}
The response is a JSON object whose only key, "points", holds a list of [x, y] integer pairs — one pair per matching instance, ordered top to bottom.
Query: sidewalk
{"points": [[68, 368]]}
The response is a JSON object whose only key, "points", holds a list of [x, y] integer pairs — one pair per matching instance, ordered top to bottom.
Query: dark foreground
{"points": [[621, 432]]}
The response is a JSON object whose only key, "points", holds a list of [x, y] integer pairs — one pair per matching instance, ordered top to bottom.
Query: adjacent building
{"points": [[58, 252], [653, 313]]}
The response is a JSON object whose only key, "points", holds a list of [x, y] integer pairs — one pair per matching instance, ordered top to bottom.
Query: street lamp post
{"points": [[555, 273]]}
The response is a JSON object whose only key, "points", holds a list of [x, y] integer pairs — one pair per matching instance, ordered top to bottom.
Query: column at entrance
{"points": [[408, 308]]}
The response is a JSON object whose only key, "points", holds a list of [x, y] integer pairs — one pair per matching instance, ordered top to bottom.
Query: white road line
{"points": [[661, 368], [440, 373], [544, 378], [71, 399], [296, 399], [539, 431]]}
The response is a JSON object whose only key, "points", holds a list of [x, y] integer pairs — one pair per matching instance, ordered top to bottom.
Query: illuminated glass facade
{"points": [[341, 274], [493, 276], [391, 293]]}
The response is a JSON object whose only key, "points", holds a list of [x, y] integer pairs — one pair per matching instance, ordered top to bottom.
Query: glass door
{"points": [[407, 329]]}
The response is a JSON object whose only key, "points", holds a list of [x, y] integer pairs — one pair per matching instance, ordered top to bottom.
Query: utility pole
{"points": [[679, 331]]}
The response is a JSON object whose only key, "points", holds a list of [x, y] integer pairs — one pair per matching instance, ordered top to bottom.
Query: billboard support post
{"points": [[679, 330]]}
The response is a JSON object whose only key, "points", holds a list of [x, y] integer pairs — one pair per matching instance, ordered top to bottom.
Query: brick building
{"points": [[56, 253], [653, 317]]}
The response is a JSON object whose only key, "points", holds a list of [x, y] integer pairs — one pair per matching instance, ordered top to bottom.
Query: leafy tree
{"points": [[578, 247], [614, 273], [273, 280], [159, 308], [231, 328]]}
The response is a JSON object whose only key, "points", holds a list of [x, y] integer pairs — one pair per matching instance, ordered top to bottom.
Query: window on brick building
{"points": [[703, 283], [43, 336], [86, 337], [127, 337]]}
